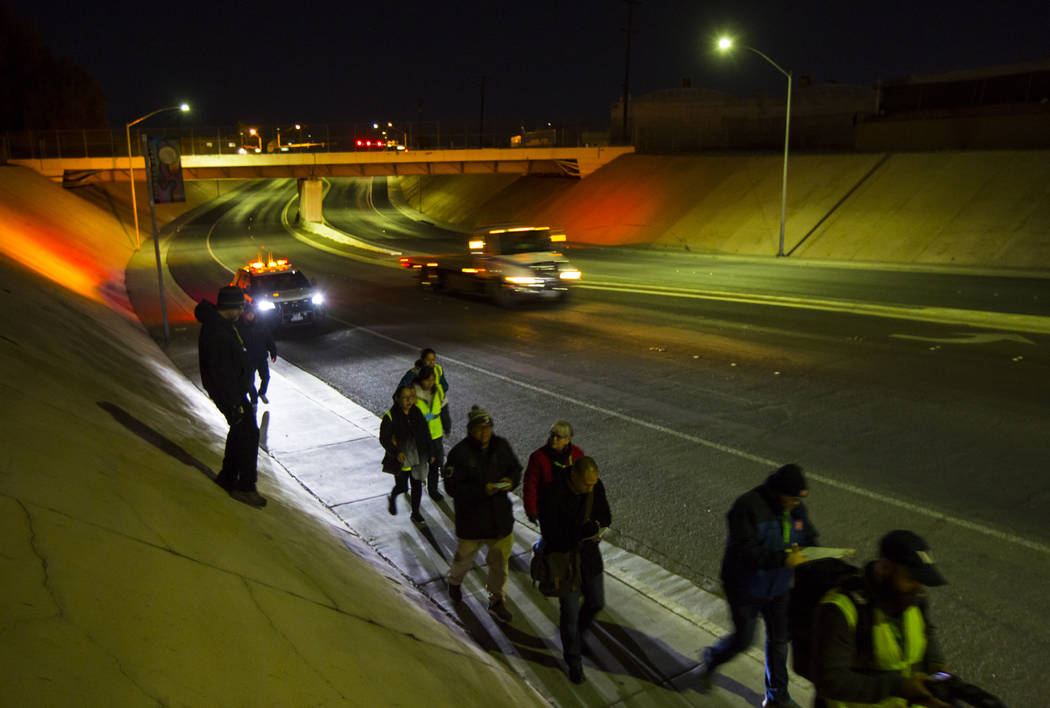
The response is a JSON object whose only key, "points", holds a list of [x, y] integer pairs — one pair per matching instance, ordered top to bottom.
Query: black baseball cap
{"points": [[908, 548]]}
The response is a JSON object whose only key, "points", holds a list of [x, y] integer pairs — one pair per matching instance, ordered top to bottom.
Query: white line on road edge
{"points": [[207, 242], [845, 486]]}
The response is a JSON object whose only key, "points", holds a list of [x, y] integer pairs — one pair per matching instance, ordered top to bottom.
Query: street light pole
{"points": [[726, 43], [131, 167]]}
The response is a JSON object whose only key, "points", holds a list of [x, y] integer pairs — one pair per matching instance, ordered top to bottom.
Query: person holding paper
{"points": [[479, 473], [574, 514], [766, 527]]}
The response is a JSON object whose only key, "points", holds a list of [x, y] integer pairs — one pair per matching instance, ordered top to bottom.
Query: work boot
{"points": [[249, 497], [498, 609]]}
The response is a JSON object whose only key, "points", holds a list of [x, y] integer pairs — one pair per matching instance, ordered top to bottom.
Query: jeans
{"points": [[241, 457], [745, 610], [574, 621]]}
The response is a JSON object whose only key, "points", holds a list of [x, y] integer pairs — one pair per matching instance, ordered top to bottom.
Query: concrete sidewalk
{"points": [[646, 644]]}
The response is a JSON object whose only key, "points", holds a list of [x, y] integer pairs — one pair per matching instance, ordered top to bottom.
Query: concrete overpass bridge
{"points": [[565, 161]]}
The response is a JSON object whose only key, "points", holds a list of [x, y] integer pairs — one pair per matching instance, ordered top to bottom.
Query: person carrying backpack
{"points": [[766, 527], [872, 639]]}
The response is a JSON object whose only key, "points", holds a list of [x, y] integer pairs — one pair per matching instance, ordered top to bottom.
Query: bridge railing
{"points": [[326, 137]]}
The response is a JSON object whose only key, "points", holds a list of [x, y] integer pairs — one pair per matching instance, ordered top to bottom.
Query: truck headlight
{"points": [[569, 275], [522, 280], [317, 299], [264, 306]]}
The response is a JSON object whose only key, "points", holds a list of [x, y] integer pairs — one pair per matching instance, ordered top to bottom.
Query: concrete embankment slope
{"points": [[974, 208], [130, 578]]}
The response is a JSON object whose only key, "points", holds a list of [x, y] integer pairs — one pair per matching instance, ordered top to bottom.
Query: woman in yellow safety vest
{"points": [[430, 398]]}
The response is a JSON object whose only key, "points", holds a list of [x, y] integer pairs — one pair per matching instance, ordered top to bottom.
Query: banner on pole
{"points": [[165, 166]]}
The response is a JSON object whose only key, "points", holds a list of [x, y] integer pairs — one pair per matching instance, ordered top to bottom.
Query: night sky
{"points": [[344, 61]]}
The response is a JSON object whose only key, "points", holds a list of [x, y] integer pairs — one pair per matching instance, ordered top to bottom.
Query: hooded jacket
{"points": [[223, 363], [395, 428], [753, 563]]}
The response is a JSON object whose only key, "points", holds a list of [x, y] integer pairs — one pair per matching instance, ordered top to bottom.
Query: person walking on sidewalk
{"points": [[259, 344], [428, 357], [225, 375], [430, 398], [405, 437], [547, 463], [480, 472], [574, 512], [766, 527], [873, 642]]}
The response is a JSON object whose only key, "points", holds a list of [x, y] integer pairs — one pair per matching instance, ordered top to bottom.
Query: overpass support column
{"points": [[310, 199]]}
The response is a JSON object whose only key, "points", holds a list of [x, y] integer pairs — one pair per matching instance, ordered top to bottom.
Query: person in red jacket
{"points": [[546, 464]]}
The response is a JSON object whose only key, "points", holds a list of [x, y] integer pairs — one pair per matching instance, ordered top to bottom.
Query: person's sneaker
{"points": [[263, 397], [437, 496], [249, 497], [391, 504], [417, 518], [455, 593], [498, 609], [707, 672], [576, 674], [788, 703]]}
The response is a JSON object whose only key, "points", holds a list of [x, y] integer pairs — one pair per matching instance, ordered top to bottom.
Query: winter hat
{"points": [[230, 297], [478, 416], [788, 480]]}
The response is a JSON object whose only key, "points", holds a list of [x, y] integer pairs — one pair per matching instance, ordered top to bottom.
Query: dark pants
{"points": [[263, 367], [242, 450], [437, 450], [401, 482], [745, 611], [574, 621]]}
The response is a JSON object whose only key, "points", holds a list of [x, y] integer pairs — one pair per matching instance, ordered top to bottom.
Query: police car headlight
{"points": [[569, 275], [317, 299], [264, 306]]}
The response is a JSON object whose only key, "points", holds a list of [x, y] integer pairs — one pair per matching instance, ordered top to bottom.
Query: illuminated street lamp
{"points": [[725, 44], [184, 107]]}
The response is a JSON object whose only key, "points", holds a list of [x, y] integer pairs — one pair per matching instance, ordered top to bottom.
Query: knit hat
{"points": [[230, 297], [478, 416], [788, 480], [907, 548]]}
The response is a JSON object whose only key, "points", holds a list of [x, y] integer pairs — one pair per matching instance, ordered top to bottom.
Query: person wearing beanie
{"points": [[226, 376], [480, 472], [766, 526]]}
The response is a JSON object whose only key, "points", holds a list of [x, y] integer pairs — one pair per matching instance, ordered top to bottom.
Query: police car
{"points": [[280, 293]]}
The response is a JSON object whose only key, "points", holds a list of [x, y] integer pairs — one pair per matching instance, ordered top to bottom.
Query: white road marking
{"points": [[207, 242], [977, 338], [837, 484]]}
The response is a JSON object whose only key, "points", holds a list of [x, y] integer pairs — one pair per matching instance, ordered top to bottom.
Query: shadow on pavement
{"points": [[154, 438]]}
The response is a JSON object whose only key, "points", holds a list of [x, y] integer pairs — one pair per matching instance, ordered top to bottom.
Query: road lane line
{"points": [[207, 242], [837, 484]]}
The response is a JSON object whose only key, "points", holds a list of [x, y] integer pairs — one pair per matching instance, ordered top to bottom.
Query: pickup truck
{"points": [[506, 265]]}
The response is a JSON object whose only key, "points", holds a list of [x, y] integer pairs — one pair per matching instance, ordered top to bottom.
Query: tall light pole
{"points": [[724, 44], [131, 168]]}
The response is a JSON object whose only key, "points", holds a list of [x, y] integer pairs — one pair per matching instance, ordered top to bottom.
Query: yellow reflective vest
{"points": [[432, 411], [892, 649]]}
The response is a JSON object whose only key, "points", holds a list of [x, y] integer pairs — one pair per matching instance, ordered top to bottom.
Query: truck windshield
{"points": [[526, 242], [280, 281]]}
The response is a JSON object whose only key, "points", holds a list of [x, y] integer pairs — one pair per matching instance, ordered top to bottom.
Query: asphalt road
{"points": [[687, 403]]}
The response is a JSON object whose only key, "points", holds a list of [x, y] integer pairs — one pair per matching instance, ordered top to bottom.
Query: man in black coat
{"points": [[259, 345], [225, 375], [405, 436], [480, 472], [574, 512], [767, 525]]}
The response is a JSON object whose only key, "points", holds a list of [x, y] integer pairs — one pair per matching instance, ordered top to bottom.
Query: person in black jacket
{"points": [[259, 344], [225, 375], [405, 437], [480, 472], [574, 512], [766, 527]]}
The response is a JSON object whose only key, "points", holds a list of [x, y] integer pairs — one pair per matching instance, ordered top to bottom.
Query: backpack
{"points": [[554, 574], [813, 580]]}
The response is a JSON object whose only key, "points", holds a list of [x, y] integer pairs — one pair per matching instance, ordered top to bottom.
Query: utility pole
{"points": [[627, 64]]}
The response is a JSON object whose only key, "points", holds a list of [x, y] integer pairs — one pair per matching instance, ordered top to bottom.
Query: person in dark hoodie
{"points": [[259, 345], [225, 375], [405, 436], [767, 525]]}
